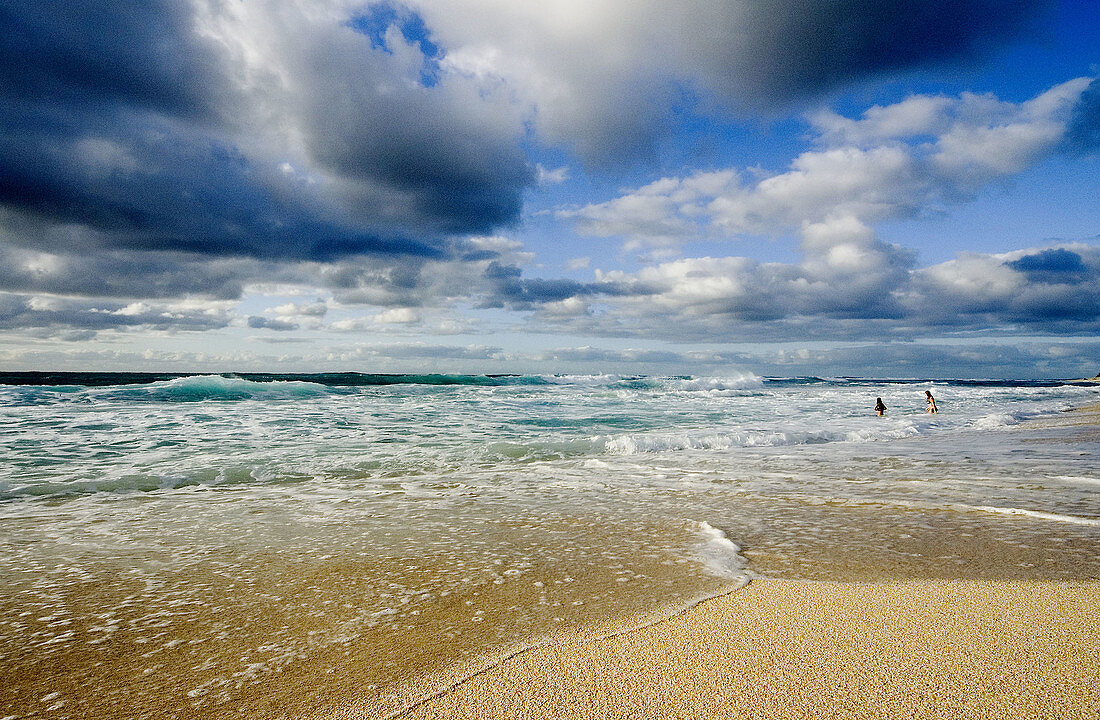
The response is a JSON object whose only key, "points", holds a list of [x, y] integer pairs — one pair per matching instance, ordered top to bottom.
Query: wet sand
{"points": [[788, 649]]}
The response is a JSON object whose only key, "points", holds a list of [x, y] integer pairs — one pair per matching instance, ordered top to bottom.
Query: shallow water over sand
{"points": [[219, 547]]}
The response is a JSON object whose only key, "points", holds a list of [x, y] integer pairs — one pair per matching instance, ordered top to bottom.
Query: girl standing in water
{"points": [[931, 402], [880, 409]]}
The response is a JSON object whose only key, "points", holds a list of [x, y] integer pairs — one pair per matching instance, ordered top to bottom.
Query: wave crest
{"points": [[193, 388]]}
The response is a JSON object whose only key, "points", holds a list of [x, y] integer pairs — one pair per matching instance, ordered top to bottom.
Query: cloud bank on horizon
{"points": [[494, 185]]}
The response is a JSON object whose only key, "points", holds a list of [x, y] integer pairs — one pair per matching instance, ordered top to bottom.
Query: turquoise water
{"points": [[244, 529]]}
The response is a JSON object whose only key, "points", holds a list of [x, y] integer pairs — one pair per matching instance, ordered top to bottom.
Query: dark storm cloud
{"points": [[787, 50], [136, 53], [126, 120], [463, 175], [152, 184], [1057, 265]]}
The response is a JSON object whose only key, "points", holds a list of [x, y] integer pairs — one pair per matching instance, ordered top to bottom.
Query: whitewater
{"points": [[189, 544]]}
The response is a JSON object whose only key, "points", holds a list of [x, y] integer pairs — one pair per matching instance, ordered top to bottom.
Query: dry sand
{"points": [[785, 649]]}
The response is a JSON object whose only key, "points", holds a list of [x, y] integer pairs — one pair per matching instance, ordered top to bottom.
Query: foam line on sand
{"points": [[495, 663]]}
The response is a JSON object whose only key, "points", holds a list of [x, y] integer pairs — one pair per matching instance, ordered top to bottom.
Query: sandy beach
{"points": [[931, 567], [783, 649]]}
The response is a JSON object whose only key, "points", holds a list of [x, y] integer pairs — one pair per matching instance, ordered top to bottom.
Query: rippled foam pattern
{"points": [[220, 546]]}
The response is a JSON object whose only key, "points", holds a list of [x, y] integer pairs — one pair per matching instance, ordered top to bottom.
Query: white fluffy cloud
{"points": [[892, 162], [854, 291], [315, 309]]}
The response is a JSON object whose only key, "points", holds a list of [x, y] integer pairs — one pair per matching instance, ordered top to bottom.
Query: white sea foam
{"points": [[582, 380], [738, 382], [995, 421], [632, 444], [635, 444], [919, 505], [1034, 514], [721, 556]]}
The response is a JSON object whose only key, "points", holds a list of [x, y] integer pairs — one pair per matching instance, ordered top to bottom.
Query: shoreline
{"points": [[788, 648]]}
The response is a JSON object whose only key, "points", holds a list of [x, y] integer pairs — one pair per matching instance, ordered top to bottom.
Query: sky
{"points": [[878, 188]]}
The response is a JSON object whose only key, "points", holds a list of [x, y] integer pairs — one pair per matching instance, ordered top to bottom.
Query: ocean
{"points": [[275, 545]]}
